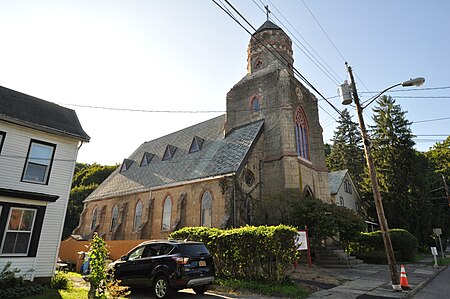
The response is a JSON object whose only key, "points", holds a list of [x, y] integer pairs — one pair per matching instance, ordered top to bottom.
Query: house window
{"points": [[255, 105], [301, 133], [2, 139], [196, 144], [170, 151], [146, 158], [39, 162], [126, 164], [347, 186], [341, 201], [206, 209], [167, 213], [138, 215], [114, 216], [94, 218], [18, 231]]}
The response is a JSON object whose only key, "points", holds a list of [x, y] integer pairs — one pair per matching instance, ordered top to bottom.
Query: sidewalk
{"points": [[368, 281]]}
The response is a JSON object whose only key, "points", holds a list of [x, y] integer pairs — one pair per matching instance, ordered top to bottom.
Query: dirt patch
{"points": [[314, 279]]}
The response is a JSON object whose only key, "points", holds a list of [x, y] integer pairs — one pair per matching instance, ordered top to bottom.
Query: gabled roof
{"points": [[268, 25], [25, 110], [219, 155], [335, 179]]}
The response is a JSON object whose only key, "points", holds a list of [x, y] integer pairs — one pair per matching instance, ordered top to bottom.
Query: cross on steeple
{"points": [[267, 11]]}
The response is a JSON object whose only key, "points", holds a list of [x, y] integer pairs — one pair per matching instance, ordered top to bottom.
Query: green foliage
{"points": [[347, 149], [85, 180], [369, 245], [256, 253], [97, 277], [61, 281], [14, 286]]}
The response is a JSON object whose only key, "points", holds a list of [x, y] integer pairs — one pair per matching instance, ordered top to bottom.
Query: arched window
{"points": [[255, 104], [301, 133], [307, 192], [206, 209], [167, 213], [138, 215], [114, 216], [94, 218]]}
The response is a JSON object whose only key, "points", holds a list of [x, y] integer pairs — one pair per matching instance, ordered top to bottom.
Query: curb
{"points": [[424, 283]]}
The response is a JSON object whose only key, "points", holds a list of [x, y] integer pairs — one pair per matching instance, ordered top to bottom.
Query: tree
{"points": [[346, 151], [400, 170], [85, 180]]}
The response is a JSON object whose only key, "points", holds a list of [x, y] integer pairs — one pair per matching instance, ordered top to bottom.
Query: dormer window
{"points": [[255, 105], [196, 144], [170, 151], [146, 158], [126, 165]]}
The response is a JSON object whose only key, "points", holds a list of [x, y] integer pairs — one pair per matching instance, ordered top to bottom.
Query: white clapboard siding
{"points": [[12, 161]]}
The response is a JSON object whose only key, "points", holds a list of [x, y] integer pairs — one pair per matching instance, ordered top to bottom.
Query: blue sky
{"points": [[186, 55]]}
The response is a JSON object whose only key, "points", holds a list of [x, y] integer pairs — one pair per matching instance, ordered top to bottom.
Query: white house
{"points": [[39, 142], [343, 191]]}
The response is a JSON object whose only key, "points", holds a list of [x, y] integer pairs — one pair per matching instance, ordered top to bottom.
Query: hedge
{"points": [[369, 245], [250, 252]]}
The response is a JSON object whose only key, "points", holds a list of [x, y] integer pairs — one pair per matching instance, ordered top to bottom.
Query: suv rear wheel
{"points": [[161, 287], [200, 289]]}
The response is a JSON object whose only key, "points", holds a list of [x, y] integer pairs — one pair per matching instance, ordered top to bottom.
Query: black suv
{"points": [[166, 265]]}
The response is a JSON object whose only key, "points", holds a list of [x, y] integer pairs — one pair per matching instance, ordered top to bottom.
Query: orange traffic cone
{"points": [[403, 278]]}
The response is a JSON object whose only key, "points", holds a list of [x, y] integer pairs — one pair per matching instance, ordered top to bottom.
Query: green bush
{"points": [[368, 244], [255, 253], [61, 281], [13, 286]]}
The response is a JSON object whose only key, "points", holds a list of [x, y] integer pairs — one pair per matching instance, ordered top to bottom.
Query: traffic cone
{"points": [[403, 278]]}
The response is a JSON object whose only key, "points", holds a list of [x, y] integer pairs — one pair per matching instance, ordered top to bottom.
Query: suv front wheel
{"points": [[161, 287]]}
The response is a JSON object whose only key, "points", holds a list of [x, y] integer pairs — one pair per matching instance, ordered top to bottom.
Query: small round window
{"points": [[249, 178]]}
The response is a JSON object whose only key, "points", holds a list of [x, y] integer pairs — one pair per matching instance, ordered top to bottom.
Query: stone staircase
{"points": [[331, 257]]}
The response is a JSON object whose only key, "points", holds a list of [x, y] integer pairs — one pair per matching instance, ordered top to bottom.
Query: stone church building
{"points": [[214, 173]]}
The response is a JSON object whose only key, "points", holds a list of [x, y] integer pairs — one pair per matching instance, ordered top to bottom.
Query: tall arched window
{"points": [[255, 105], [301, 133], [206, 209], [167, 213], [138, 215], [114, 216], [94, 218]]}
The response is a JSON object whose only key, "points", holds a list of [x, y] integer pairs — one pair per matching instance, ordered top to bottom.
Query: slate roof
{"points": [[268, 25], [25, 110], [219, 155], [335, 179]]}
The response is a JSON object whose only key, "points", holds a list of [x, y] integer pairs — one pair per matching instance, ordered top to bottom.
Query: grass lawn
{"points": [[286, 290], [74, 293]]}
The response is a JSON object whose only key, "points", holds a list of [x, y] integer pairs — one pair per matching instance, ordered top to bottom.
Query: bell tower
{"points": [[291, 152]]}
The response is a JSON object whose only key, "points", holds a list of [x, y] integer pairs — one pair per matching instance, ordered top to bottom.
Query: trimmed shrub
{"points": [[368, 244], [255, 253], [61, 281]]}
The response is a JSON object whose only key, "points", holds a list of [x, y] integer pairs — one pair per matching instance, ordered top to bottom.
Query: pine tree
{"points": [[346, 151], [400, 170]]}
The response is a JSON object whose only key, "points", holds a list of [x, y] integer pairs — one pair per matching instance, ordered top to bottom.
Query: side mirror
{"points": [[123, 258]]}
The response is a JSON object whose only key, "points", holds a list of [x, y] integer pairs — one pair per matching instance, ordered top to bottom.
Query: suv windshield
{"points": [[194, 249]]}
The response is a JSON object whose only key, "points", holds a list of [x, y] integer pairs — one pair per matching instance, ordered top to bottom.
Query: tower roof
{"points": [[268, 25]]}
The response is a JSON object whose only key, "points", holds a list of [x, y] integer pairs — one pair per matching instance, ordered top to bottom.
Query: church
{"points": [[214, 173]]}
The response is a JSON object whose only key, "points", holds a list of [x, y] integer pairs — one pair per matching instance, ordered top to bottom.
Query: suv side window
{"points": [[153, 249], [165, 249], [136, 254]]}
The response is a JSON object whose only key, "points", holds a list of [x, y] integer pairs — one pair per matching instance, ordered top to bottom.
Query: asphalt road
{"points": [[438, 288], [189, 294]]}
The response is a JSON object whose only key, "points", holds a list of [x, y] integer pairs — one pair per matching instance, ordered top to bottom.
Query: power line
{"points": [[430, 120]]}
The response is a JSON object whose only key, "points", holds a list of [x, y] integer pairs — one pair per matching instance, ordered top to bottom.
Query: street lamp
{"points": [[346, 92]]}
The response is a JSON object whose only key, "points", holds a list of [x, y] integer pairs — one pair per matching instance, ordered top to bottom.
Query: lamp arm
{"points": [[370, 101]]}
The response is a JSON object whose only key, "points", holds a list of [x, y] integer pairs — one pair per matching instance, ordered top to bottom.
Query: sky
{"points": [[175, 60]]}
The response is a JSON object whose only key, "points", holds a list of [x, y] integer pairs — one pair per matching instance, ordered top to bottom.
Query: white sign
{"points": [[437, 231], [300, 241], [434, 251]]}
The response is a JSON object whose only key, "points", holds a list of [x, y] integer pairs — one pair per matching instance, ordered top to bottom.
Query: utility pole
{"points": [[375, 188], [446, 189]]}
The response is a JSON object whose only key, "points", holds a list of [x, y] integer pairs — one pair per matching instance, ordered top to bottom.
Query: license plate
{"points": [[202, 263]]}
